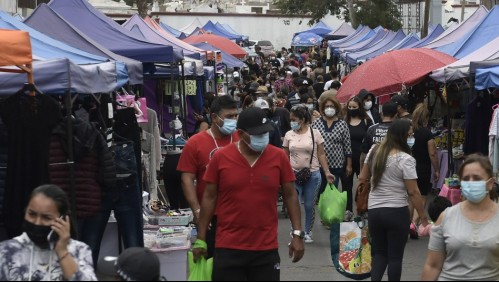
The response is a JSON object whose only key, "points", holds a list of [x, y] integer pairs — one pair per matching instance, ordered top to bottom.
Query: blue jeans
{"points": [[309, 191], [126, 202]]}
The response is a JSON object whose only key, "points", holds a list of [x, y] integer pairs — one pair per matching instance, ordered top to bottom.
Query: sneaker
{"points": [[413, 233], [308, 238]]}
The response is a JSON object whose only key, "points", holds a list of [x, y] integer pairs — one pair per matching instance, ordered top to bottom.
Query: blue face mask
{"points": [[295, 125], [229, 126], [411, 141], [258, 143], [474, 191]]}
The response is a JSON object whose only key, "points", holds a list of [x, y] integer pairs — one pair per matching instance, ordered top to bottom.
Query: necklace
{"points": [[214, 140], [241, 152]]}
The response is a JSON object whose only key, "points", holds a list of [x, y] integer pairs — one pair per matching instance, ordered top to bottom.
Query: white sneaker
{"points": [[308, 238]]}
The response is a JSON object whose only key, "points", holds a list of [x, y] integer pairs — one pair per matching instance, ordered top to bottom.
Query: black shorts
{"points": [[424, 183], [239, 265]]}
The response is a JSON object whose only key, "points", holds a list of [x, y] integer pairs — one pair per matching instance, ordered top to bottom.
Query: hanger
{"points": [[31, 89]]}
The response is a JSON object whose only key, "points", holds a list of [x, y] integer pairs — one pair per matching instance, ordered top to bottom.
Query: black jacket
{"points": [[374, 109]]}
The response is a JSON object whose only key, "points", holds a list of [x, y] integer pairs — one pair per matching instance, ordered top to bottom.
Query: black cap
{"points": [[253, 86], [400, 100], [254, 121], [138, 264]]}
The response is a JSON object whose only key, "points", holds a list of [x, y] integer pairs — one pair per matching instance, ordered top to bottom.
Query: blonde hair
{"points": [[420, 117]]}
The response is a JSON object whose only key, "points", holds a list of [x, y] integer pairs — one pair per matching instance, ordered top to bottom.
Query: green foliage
{"points": [[317, 9], [379, 12]]}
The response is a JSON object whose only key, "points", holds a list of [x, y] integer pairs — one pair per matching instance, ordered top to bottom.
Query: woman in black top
{"points": [[358, 122]]}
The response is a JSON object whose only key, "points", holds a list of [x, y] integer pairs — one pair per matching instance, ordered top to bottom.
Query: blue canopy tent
{"points": [[45, 20], [210, 27], [319, 28], [170, 29], [231, 30], [343, 31], [484, 32], [363, 34], [111, 35], [432, 35], [306, 39], [390, 40], [408, 40], [365, 44], [180, 47], [227, 58], [487, 78]]}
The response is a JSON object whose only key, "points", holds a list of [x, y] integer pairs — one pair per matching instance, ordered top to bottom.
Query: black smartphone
{"points": [[53, 237]]}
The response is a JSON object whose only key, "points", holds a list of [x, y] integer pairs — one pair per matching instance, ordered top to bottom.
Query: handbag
{"points": [[304, 174], [364, 186], [351, 249]]}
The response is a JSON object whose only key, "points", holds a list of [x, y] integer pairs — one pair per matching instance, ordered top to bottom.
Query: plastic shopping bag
{"points": [[332, 205], [351, 249], [200, 271]]}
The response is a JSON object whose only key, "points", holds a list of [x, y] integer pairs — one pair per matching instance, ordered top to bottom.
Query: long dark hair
{"points": [[362, 114], [396, 138], [484, 162], [56, 194]]}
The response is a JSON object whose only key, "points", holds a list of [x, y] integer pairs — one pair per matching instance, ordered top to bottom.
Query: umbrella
{"points": [[220, 42], [390, 72]]}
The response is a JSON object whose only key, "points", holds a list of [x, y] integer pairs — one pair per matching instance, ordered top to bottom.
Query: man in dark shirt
{"points": [[402, 106], [377, 132]]}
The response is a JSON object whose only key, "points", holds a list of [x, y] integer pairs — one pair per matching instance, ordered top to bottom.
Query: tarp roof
{"points": [[45, 20], [152, 23], [191, 27], [210, 27], [319, 28], [360, 28], [170, 29], [345, 29], [231, 30], [461, 30], [484, 32], [363, 34], [111, 35], [432, 35], [156, 36], [306, 39], [390, 40], [408, 40], [220, 42], [365, 44], [16, 48], [227, 58], [483, 64], [461, 68], [58, 76], [487, 78]]}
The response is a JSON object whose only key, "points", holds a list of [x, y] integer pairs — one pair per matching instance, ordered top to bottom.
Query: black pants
{"points": [[173, 182], [389, 228], [238, 265]]}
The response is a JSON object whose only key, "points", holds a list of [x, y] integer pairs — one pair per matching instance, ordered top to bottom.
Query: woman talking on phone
{"points": [[41, 255]]}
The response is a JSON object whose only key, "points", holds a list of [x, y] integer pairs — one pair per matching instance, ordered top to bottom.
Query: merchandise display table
{"points": [[453, 194]]}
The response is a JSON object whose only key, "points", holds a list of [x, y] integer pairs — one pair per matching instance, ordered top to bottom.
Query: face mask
{"points": [[267, 85], [368, 105], [310, 106], [330, 112], [354, 112], [295, 125], [229, 126], [411, 141], [258, 143], [474, 191], [37, 234]]}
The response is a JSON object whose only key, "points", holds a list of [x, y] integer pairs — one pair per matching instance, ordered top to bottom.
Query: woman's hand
{"points": [[348, 170], [436, 176], [330, 178], [61, 226]]}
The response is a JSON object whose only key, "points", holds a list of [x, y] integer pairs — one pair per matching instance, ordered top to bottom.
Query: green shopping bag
{"points": [[332, 205], [200, 271]]}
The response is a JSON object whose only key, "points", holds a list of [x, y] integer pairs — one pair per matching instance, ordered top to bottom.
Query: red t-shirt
{"points": [[196, 154], [247, 197]]}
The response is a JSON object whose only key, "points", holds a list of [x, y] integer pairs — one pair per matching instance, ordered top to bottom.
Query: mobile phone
{"points": [[52, 238]]}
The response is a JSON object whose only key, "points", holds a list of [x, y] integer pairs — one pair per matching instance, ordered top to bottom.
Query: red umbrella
{"points": [[220, 42], [387, 73]]}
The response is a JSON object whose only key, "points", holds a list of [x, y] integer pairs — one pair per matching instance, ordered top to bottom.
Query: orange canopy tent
{"points": [[220, 42], [16, 51]]}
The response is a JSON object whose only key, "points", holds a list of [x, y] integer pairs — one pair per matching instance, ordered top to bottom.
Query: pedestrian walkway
{"points": [[316, 265]]}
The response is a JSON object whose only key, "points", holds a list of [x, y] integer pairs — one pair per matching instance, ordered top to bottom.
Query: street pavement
{"points": [[316, 265]]}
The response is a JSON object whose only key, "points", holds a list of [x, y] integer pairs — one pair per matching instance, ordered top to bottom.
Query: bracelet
{"points": [[64, 256]]}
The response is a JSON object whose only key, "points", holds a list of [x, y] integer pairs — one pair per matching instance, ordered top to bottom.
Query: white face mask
{"points": [[368, 105], [330, 112]]}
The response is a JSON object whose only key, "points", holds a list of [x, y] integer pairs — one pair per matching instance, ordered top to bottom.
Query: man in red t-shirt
{"points": [[200, 148], [243, 180]]}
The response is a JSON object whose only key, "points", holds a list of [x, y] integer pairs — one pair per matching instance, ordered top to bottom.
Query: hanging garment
{"points": [[190, 87], [30, 121], [151, 130], [476, 138], [494, 141], [94, 167], [3, 174]]}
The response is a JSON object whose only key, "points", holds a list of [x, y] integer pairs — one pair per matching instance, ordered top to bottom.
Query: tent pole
{"points": [[183, 102], [172, 123], [450, 162]]}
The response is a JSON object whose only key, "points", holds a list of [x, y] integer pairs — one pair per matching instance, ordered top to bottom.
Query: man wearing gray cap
{"points": [[243, 181]]}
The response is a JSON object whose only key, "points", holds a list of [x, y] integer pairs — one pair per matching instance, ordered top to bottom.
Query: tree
{"points": [[141, 5], [366, 12], [426, 21]]}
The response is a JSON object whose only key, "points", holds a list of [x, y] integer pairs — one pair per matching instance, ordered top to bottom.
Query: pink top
{"points": [[300, 149]]}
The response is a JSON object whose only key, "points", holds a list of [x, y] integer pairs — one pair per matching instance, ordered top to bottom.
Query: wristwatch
{"points": [[298, 233]]}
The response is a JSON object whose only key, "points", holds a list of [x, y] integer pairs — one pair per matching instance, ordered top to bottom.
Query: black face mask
{"points": [[354, 113], [37, 234]]}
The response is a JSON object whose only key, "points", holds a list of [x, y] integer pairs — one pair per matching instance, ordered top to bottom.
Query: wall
{"points": [[8, 6], [279, 30]]}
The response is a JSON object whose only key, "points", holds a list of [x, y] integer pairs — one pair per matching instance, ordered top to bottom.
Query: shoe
{"points": [[348, 216], [413, 233], [308, 238]]}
